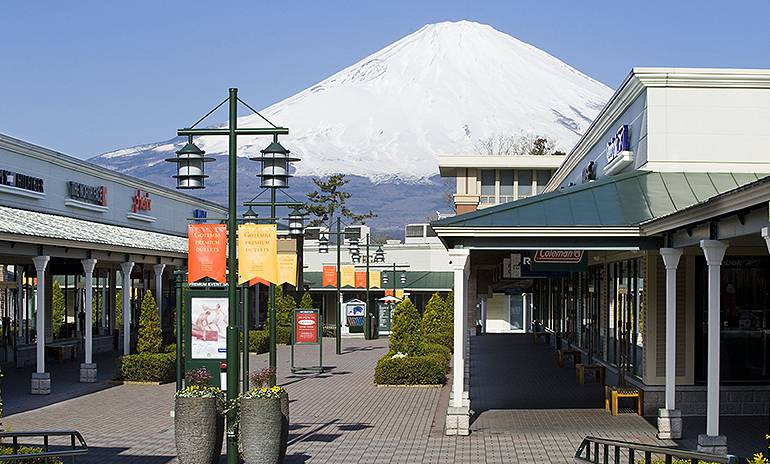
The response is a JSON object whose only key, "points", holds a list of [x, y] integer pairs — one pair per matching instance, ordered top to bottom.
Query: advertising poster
{"points": [[206, 244], [257, 252], [306, 326], [208, 328]]}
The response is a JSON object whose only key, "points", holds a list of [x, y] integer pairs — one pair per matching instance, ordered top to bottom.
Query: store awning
{"points": [[604, 214], [18, 225]]}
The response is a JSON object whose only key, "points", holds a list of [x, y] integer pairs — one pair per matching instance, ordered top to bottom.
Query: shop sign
{"points": [[618, 144], [22, 181], [87, 193], [141, 202], [200, 213], [558, 256], [512, 266], [306, 327]]}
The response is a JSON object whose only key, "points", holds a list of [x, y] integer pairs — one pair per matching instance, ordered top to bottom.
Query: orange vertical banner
{"points": [[207, 252], [348, 275], [329, 277], [361, 279]]}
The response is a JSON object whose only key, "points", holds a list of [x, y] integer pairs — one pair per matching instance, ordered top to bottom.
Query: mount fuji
{"points": [[385, 119]]}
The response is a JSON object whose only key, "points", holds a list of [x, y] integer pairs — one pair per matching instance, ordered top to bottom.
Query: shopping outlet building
{"points": [[72, 235], [648, 250]]}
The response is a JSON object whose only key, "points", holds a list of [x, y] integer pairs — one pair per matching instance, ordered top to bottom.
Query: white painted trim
{"points": [[623, 159], [21, 192], [88, 206], [141, 217], [609, 231]]}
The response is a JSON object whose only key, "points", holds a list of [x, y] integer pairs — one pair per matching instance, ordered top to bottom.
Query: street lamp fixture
{"points": [[275, 165], [189, 166], [250, 217], [296, 222], [323, 243], [379, 255]]}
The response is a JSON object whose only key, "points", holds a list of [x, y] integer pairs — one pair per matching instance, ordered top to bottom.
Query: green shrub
{"points": [[307, 301], [284, 307], [119, 310], [448, 310], [433, 318], [57, 319], [329, 332], [405, 333], [283, 335], [150, 336], [444, 338], [259, 341], [170, 348], [439, 350], [147, 367], [430, 369], [7, 451], [676, 461]]}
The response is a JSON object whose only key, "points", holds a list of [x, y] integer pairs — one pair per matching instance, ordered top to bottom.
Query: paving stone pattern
{"points": [[341, 417]]}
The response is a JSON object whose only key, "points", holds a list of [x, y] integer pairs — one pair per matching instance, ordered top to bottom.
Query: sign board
{"points": [[21, 181], [87, 193], [140, 202], [558, 256], [306, 326], [208, 330]]}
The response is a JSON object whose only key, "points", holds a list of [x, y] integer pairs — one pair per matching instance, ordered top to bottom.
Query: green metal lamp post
{"points": [[190, 175]]}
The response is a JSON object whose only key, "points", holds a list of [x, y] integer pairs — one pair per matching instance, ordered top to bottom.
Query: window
{"points": [[542, 180], [525, 184], [506, 185], [487, 186], [415, 231]]}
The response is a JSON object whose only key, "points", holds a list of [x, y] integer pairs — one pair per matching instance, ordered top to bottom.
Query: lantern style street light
{"points": [[190, 162], [379, 255]]}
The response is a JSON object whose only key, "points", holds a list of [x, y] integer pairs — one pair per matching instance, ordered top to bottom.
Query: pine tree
{"points": [[330, 199], [307, 301], [284, 307], [58, 309], [119, 310], [448, 312], [432, 318], [405, 333], [150, 335]]}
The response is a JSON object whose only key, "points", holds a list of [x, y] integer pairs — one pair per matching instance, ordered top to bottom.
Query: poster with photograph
{"points": [[208, 328]]}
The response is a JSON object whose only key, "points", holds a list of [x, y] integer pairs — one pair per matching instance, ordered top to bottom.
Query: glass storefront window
{"points": [[542, 180], [525, 183], [506, 185], [487, 186]]}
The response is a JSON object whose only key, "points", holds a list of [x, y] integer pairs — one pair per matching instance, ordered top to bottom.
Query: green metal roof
{"points": [[623, 200], [415, 280]]}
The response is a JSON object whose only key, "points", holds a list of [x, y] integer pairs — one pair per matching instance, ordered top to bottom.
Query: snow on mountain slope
{"points": [[438, 90]]}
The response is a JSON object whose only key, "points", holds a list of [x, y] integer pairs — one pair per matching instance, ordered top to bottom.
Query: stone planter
{"points": [[284, 425], [198, 430], [261, 430]]}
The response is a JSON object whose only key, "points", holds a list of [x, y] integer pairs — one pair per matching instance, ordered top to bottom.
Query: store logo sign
{"points": [[619, 143], [22, 181], [87, 193], [141, 202], [200, 213], [558, 256]]}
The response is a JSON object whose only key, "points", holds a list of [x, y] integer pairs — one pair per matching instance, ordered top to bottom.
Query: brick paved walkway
{"points": [[339, 416]]}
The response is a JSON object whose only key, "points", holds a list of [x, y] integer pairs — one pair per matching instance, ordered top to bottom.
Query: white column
{"points": [[766, 236], [714, 251], [671, 261], [41, 262], [460, 267], [158, 268], [126, 270], [88, 272], [483, 311], [669, 419]]}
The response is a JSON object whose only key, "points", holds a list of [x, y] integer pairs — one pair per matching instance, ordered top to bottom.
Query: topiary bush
{"points": [[307, 301], [284, 307], [448, 310], [432, 317], [57, 319], [405, 331], [283, 335], [150, 336], [444, 338], [438, 350], [147, 367], [430, 369]]}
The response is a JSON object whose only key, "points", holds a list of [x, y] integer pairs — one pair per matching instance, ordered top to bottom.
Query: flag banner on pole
{"points": [[207, 252], [257, 252], [287, 268], [348, 275], [329, 276], [361, 279], [374, 279], [257, 280], [389, 292], [400, 294]]}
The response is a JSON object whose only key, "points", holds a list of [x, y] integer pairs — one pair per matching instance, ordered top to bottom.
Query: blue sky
{"points": [[85, 77]]}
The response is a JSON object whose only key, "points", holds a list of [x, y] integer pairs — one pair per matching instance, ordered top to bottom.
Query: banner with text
{"points": [[207, 252], [257, 252], [287, 269], [348, 275], [329, 276], [361, 279], [374, 279]]}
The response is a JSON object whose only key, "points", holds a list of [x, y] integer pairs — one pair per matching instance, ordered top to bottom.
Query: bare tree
{"points": [[525, 143]]}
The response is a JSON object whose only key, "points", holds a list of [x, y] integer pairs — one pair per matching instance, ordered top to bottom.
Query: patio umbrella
{"points": [[389, 299]]}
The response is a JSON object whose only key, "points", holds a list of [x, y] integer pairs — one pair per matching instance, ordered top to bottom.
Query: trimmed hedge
{"points": [[283, 335], [405, 336], [444, 338], [259, 341], [170, 348], [438, 350], [147, 367], [430, 369], [8, 450]]}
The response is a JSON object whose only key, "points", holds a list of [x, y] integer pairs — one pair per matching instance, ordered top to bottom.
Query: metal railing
{"points": [[76, 445], [601, 450]]}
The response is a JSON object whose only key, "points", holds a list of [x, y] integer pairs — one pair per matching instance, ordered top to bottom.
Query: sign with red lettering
{"points": [[141, 202], [558, 256], [329, 276], [306, 326]]}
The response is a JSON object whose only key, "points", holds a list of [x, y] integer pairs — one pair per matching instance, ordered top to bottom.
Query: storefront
{"points": [[666, 196], [79, 247]]}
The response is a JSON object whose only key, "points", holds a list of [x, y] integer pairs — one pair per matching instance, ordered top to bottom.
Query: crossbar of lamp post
{"points": [[238, 131]]}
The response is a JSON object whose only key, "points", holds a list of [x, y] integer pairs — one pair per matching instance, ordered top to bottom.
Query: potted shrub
{"points": [[265, 378], [198, 423], [261, 425]]}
